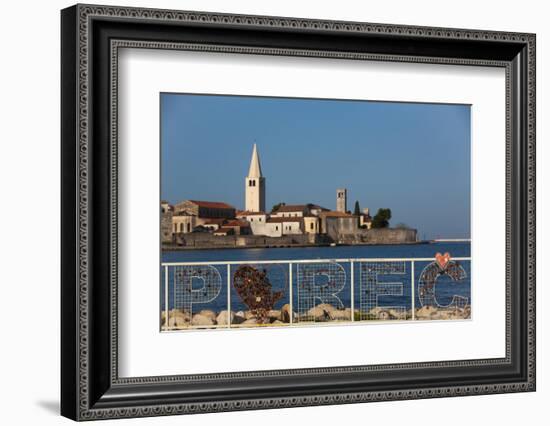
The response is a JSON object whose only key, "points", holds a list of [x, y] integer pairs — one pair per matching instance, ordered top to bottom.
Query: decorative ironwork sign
{"points": [[441, 266], [253, 286], [194, 287], [318, 288], [371, 289], [293, 292]]}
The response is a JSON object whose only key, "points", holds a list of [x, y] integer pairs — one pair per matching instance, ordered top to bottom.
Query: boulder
{"points": [[327, 307], [426, 312], [208, 313], [274, 313], [285, 313], [318, 314], [398, 314], [443, 314], [248, 315], [340, 315], [384, 315], [223, 318], [238, 318], [178, 319], [202, 320], [250, 321], [277, 322]]}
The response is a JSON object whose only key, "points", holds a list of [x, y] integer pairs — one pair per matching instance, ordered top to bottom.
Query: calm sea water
{"points": [[279, 274]]}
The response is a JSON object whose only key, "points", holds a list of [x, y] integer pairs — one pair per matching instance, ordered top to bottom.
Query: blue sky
{"points": [[411, 158]]}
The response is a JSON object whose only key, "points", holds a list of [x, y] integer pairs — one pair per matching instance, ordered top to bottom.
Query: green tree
{"points": [[276, 207], [357, 209], [382, 218]]}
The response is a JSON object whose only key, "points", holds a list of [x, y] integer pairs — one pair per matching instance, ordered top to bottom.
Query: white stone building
{"points": [[256, 220], [288, 225]]}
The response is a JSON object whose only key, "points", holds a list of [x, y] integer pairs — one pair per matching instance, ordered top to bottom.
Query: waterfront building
{"points": [[255, 185], [342, 200], [166, 207], [205, 210], [297, 210], [316, 210], [167, 211], [327, 216], [365, 219], [256, 220], [183, 222], [214, 224], [311, 224], [287, 225], [341, 226], [239, 227], [223, 232]]}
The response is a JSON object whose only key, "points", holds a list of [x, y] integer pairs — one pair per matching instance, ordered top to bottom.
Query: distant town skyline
{"points": [[411, 158]]}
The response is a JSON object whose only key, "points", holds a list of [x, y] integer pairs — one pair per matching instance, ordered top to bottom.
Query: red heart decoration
{"points": [[442, 259]]}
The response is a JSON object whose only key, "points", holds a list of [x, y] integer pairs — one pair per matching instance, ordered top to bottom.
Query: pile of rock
{"points": [[325, 312], [437, 313], [382, 314], [206, 318]]}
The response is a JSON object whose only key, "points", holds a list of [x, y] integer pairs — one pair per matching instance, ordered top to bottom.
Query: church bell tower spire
{"points": [[255, 185]]}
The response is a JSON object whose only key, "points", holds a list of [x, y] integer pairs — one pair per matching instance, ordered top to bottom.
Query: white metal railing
{"points": [[166, 267]]}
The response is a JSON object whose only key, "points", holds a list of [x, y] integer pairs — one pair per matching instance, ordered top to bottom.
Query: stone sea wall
{"points": [[361, 236], [378, 236], [207, 240]]}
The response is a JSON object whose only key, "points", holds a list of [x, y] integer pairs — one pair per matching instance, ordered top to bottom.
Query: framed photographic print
{"points": [[263, 212]]}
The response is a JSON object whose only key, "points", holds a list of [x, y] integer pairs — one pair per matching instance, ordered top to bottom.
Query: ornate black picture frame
{"points": [[91, 387]]}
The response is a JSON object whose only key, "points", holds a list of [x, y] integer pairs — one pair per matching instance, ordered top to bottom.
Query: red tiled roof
{"points": [[212, 204], [317, 207], [291, 208], [247, 213], [215, 221]]}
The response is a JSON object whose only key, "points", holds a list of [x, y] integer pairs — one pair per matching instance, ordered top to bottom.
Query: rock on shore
{"points": [[323, 312], [206, 318]]}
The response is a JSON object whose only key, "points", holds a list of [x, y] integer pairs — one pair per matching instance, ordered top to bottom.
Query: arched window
{"points": [[311, 225], [181, 227], [188, 227]]}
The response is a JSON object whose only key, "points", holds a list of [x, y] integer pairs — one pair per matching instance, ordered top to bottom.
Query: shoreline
{"points": [[257, 246], [179, 319]]}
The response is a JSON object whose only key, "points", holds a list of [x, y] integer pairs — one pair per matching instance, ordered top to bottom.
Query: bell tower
{"points": [[255, 185], [342, 200]]}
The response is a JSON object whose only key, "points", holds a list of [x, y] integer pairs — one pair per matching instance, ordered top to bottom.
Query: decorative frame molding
{"points": [[91, 37]]}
